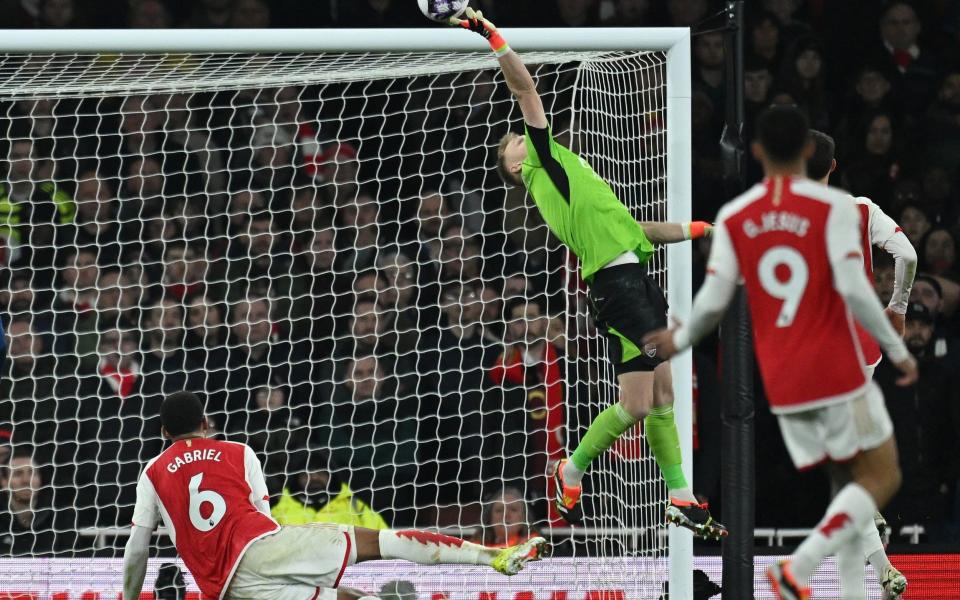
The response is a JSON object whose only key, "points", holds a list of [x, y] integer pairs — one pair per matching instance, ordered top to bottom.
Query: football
{"points": [[441, 10]]}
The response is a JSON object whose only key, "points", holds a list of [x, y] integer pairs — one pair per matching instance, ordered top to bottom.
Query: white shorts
{"points": [[837, 432], [299, 562]]}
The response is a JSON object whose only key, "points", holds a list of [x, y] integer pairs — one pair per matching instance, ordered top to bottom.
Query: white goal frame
{"points": [[674, 41]]}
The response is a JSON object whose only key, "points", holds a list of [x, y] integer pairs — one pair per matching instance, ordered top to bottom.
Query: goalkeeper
{"points": [[586, 215]]}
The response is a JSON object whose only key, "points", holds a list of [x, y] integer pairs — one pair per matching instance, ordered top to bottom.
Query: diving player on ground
{"points": [[876, 229], [795, 245], [613, 248], [212, 498]]}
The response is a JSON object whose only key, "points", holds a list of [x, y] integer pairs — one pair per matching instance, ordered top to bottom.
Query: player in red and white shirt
{"points": [[876, 229], [795, 245], [212, 498]]}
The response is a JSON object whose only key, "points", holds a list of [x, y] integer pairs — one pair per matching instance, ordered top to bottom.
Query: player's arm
{"points": [[518, 78], [660, 232], [887, 235], [850, 281], [711, 302], [259, 496], [145, 518], [135, 561]]}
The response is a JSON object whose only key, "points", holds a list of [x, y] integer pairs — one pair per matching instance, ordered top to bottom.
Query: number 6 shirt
{"points": [[783, 237], [212, 498]]}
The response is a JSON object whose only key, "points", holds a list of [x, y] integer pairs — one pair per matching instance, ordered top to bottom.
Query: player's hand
{"points": [[475, 22], [896, 319], [662, 342], [909, 369]]}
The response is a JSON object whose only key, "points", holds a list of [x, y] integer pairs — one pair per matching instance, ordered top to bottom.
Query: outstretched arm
{"points": [[515, 72], [660, 232], [135, 562]]}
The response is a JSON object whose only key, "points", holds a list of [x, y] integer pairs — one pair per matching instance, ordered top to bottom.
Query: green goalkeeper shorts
{"points": [[627, 304]]}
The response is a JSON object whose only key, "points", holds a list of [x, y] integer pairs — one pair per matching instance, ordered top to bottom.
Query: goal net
{"points": [[319, 245]]}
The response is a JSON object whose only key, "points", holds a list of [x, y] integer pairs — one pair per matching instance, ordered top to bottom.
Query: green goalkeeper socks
{"points": [[605, 429], [661, 432]]}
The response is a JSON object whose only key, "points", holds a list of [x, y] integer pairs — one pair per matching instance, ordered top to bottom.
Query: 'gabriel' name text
{"points": [[192, 456]]}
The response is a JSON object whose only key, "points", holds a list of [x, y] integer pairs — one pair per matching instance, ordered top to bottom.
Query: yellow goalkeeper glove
{"points": [[477, 24]]}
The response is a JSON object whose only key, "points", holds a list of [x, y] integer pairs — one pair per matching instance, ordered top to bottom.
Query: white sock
{"points": [[571, 474], [683, 494], [847, 516], [872, 547], [428, 548], [850, 566]]}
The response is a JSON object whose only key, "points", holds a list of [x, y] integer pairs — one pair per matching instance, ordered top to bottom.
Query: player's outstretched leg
{"points": [[428, 548], [891, 579]]}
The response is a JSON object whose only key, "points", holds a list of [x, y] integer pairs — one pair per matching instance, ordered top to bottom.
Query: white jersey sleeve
{"points": [[887, 235], [723, 274], [850, 280], [259, 496], [146, 512]]}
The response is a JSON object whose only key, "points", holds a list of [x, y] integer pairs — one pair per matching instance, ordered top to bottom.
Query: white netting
{"points": [[333, 264]]}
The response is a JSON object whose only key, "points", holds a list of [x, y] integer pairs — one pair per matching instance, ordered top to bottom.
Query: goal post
{"points": [[652, 65]]}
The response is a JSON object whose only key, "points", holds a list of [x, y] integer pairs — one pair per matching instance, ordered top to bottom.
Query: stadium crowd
{"points": [[393, 347]]}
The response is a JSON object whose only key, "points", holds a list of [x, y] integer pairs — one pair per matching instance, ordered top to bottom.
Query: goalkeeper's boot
{"points": [[567, 496], [695, 517], [883, 528], [511, 561], [893, 583], [785, 585]]}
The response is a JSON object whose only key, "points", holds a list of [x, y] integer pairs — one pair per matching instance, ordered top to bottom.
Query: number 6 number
{"points": [[791, 290], [197, 498]]}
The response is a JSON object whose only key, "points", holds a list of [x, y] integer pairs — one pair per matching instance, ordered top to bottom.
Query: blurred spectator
{"points": [[785, 11], [211, 13], [376, 13], [572, 13], [627, 13], [686, 13], [58, 14], [148, 14], [250, 14], [763, 38], [912, 66], [708, 72], [804, 77], [757, 82], [943, 124], [184, 128], [879, 161], [938, 194], [30, 208], [915, 223], [95, 225], [359, 234], [938, 251], [257, 263], [184, 271], [401, 293], [108, 305], [75, 309], [207, 349], [461, 359], [260, 360], [119, 366], [531, 373], [39, 396], [927, 416], [276, 425], [373, 433], [316, 491], [505, 520], [30, 524]]}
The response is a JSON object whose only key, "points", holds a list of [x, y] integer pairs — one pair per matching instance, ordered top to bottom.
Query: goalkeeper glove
{"points": [[477, 24], [693, 230]]}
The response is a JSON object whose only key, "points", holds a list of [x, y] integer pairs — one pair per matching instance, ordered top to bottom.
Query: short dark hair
{"points": [[783, 131], [824, 148], [181, 413]]}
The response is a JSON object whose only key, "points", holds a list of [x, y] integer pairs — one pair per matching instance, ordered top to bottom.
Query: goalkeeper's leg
{"points": [[428, 548]]}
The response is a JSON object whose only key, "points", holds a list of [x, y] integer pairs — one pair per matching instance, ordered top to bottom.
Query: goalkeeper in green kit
{"points": [[613, 248]]}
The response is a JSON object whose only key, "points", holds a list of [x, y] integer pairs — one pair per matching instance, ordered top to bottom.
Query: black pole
{"points": [[737, 415]]}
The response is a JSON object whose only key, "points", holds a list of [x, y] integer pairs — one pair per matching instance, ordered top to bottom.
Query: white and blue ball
{"points": [[441, 10]]}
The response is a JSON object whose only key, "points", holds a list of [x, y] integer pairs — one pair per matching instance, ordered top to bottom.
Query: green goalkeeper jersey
{"points": [[578, 206]]}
